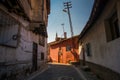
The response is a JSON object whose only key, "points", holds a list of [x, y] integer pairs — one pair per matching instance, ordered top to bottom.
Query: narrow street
{"points": [[59, 39], [59, 72]]}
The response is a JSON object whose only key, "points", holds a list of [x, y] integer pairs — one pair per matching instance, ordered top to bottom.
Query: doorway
{"points": [[60, 56], [34, 59], [84, 60]]}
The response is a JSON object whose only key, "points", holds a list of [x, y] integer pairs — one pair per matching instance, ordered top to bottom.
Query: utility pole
{"points": [[67, 6]]}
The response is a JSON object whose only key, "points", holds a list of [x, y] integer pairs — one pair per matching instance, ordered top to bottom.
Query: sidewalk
{"points": [[85, 73]]}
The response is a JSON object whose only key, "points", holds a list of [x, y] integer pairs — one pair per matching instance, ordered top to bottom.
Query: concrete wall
{"points": [[102, 52]]}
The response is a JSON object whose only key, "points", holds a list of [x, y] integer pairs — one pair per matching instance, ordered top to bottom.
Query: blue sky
{"points": [[80, 13]]}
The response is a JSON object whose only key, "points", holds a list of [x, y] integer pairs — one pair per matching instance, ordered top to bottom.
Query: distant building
{"points": [[23, 37], [99, 41], [64, 50]]}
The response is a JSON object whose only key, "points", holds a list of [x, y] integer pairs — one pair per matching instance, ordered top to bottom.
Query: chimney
{"points": [[65, 35]]}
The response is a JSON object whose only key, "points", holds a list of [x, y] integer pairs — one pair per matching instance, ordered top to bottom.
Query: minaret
{"points": [[65, 35], [56, 37]]}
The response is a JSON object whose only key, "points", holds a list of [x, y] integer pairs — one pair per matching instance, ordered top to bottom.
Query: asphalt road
{"points": [[59, 72]]}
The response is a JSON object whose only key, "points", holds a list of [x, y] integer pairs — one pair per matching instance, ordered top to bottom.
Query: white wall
{"points": [[103, 53]]}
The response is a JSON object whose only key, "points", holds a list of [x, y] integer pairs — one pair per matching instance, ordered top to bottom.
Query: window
{"points": [[112, 27], [8, 30], [42, 40], [68, 48], [88, 49], [60, 51], [42, 56]]}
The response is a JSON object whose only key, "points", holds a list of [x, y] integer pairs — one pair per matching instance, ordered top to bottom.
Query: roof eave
{"points": [[95, 14]]}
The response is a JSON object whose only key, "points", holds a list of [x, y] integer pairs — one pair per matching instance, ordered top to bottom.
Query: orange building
{"points": [[64, 50]]}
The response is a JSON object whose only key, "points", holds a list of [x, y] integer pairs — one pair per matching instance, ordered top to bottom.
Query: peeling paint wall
{"points": [[16, 62]]}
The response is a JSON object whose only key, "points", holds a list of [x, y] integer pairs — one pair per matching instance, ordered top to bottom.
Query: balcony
{"points": [[14, 6], [38, 29]]}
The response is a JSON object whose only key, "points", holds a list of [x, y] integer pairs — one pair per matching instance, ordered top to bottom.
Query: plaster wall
{"points": [[24, 48], [102, 52]]}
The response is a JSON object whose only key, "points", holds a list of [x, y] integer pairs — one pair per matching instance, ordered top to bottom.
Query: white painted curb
{"points": [[37, 73], [80, 73]]}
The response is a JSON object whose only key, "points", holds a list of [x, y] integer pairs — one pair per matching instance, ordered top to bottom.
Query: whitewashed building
{"points": [[23, 37], [99, 41]]}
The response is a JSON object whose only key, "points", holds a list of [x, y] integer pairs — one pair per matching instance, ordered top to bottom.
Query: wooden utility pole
{"points": [[67, 6]]}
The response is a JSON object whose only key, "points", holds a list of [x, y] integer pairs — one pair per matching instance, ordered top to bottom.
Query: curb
{"points": [[80, 73], [32, 76]]}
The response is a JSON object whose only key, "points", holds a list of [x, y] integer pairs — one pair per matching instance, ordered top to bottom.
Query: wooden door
{"points": [[34, 63]]}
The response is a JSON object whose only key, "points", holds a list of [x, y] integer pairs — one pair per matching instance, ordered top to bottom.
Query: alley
{"points": [[59, 39], [59, 72]]}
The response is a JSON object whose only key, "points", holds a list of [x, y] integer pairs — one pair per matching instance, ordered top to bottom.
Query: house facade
{"points": [[23, 37], [99, 41], [64, 50]]}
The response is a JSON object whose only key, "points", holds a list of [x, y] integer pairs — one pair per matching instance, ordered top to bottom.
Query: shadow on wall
{"points": [[75, 54], [50, 59]]}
